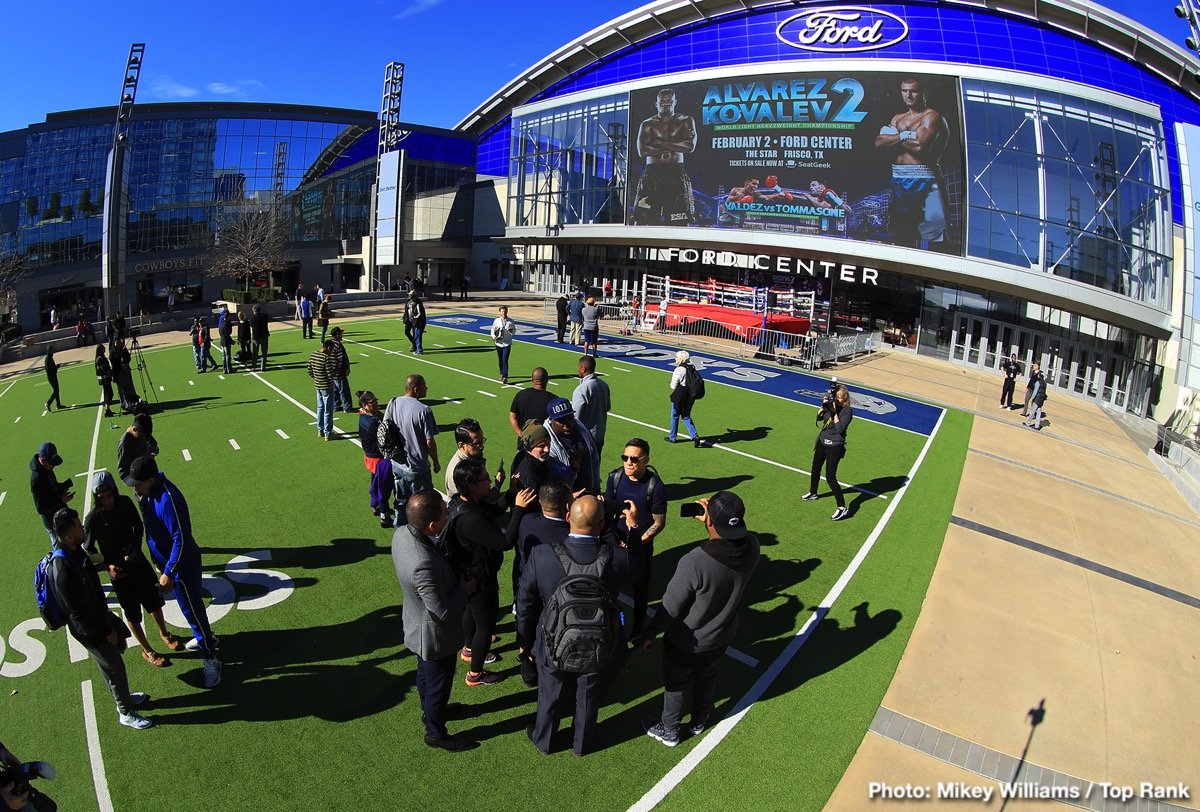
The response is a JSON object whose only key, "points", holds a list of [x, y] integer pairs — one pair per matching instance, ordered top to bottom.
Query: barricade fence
{"points": [[787, 349]]}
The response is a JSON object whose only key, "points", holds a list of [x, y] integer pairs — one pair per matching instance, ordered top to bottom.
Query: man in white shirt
{"points": [[503, 329]]}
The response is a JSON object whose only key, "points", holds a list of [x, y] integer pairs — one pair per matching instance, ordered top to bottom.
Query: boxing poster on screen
{"points": [[858, 155]]}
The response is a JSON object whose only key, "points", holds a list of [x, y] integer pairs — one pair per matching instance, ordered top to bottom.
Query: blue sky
{"points": [[456, 52]]}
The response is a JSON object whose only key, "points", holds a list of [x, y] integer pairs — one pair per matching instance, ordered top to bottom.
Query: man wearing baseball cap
{"points": [[573, 455], [49, 495], [174, 549], [699, 614]]}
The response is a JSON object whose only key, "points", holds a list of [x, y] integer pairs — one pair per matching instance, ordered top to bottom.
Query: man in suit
{"points": [[538, 581], [434, 601]]}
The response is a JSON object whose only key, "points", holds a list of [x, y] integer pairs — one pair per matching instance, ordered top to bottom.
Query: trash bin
{"points": [[28, 342]]}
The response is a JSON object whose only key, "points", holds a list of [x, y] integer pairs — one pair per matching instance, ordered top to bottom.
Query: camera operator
{"points": [[835, 416], [15, 790]]}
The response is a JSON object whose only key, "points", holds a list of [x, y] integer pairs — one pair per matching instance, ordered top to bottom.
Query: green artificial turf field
{"points": [[318, 706]]}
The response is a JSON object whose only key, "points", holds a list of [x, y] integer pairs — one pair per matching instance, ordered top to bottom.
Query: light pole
{"points": [[116, 190]]}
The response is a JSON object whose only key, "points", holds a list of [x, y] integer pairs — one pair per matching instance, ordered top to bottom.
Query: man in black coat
{"points": [[561, 308], [260, 333], [49, 495], [538, 581]]}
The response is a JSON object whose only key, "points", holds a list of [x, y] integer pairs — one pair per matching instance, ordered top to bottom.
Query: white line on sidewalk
{"points": [[281, 433], [233, 443], [187, 455], [692, 760], [103, 799]]}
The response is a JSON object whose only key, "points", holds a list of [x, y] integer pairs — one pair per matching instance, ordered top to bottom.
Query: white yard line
{"points": [[621, 369], [10, 386], [489, 394], [304, 408], [18, 420], [281, 433], [235, 445], [187, 455], [87, 490], [2, 495], [692, 760], [99, 779]]}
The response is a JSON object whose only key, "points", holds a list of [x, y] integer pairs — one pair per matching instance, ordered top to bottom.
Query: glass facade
{"points": [[569, 164]]}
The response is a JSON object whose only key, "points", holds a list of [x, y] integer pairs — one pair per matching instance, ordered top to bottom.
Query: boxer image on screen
{"points": [[771, 190], [664, 191]]}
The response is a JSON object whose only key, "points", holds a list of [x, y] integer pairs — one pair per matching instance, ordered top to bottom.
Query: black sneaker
{"points": [[811, 496], [697, 726], [657, 730], [454, 744]]}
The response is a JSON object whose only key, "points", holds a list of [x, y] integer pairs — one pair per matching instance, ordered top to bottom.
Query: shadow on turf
{"points": [[741, 435], [880, 485], [695, 487], [333, 553], [298, 673]]}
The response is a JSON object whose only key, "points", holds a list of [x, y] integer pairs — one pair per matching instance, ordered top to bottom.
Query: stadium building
{"points": [[974, 180]]}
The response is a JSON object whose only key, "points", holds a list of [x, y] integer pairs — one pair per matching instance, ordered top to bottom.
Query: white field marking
{"points": [[461, 342], [437, 345], [364, 355], [622, 369], [222, 377], [191, 383], [552, 383], [10, 386], [162, 388], [489, 394], [45, 412], [18, 420], [281, 434], [351, 437], [233, 443], [187, 455], [749, 456], [2, 495], [87, 495], [730, 652], [697, 754], [103, 800]]}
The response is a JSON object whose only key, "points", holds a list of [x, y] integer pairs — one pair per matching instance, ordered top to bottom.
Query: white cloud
{"points": [[416, 7], [164, 87], [241, 89]]}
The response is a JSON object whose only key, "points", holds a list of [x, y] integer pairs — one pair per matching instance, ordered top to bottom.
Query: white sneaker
{"points": [[840, 514], [194, 644], [212, 672], [138, 698], [135, 721]]}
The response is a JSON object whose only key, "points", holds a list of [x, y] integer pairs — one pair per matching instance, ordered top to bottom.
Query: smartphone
{"points": [[691, 509]]}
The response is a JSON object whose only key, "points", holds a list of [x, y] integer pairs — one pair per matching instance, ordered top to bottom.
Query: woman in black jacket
{"points": [[52, 376], [104, 377], [836, 414]]}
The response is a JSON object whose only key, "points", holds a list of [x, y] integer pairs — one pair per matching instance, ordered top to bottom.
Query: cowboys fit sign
{"points": [[842, 29]]}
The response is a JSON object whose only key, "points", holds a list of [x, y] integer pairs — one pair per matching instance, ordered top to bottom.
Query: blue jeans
{"points": [[418, 334], [198, 354], [502, 354], [341, 394], [325, 411], [687, 424], [407, 484]]}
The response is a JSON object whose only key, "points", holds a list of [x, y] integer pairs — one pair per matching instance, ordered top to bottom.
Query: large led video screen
{"points": [[860, 155]]}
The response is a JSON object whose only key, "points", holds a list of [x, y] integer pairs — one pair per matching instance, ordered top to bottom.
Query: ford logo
{"points": [[842, 29]]}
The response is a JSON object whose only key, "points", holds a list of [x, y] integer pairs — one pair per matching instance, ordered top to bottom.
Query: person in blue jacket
{"points": [[174, 549]]}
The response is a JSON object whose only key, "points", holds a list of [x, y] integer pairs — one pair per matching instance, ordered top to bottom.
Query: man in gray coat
{"points": [[591, 401], [434, 601], [699, 614]]}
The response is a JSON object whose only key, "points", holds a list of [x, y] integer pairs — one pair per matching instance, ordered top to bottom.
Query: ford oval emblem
{"points": [[842, 29]]}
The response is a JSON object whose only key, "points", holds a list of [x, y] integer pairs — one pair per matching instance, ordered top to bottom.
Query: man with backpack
{"points": [[414, 322], [687, 387], [416, 431], [635, 481], [75, 588], [567, 613], [699, 614]]}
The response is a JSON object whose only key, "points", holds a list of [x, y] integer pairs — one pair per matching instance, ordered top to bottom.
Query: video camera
{"points": [[829, 402], [19, 778]]}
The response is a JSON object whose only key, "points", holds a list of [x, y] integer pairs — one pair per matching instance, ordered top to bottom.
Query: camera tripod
{"points": [[143, 368]]}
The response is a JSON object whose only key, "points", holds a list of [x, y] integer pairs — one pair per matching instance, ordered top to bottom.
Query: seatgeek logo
{"points": [[842, 29]]}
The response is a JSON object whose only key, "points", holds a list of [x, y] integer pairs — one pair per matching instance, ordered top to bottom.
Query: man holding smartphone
{"points": [[635, 481], [699, 613]]}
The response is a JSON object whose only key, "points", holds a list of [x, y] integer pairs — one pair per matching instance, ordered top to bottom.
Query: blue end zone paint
{"points": [[801, 387]]}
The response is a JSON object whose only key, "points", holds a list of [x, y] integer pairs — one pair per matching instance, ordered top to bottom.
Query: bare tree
{"points": [[249, 242], [13, 268]]}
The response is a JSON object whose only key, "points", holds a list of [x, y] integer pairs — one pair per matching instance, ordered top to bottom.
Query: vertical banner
{"points": [[860, 155], [113, 233], [388, 235]]}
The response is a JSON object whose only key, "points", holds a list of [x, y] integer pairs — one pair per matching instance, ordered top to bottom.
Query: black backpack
{"points": [[693, 382], [391, 441], [581, 623]]}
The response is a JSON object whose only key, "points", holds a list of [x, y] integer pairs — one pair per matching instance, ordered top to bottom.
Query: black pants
{"points": [[306, 327], [562, 327], [412, 340], [260, 350], [106, 388], [1006, 392], [54, 398], [829, 456], [639, 583], [479, 622], [682, 669], [434, 680], [553, 687]]}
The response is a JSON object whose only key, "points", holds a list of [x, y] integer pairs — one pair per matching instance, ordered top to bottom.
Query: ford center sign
{"points": [[842, 29]]}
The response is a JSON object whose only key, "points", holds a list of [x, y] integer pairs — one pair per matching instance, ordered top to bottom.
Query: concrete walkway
{"points": [[1068, 585]]}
